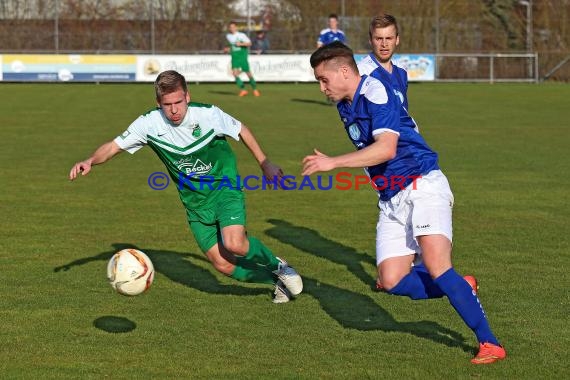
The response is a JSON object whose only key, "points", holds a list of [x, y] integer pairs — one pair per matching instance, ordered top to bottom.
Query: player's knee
{"points": [[237, 246], [221, 260], [224, 267], [390, 280]]}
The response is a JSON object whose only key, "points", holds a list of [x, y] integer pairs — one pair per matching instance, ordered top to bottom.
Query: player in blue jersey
{"points": [[332, 33], [384, 39], [415, 197]]}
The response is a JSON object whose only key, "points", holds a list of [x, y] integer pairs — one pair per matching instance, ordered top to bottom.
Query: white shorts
{"points": [[420, 209]]}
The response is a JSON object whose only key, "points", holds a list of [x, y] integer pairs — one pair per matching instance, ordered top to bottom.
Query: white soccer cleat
{"points": [[289, 277], [281, 294]]}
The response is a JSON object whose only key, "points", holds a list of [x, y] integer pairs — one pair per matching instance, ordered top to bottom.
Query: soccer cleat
{"points": [[242, 93], [256, 93], [289, 277], [472, 281], [281, 294], [489, 353]]}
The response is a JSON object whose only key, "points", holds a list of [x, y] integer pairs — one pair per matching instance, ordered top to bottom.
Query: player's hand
{"points": [[317, 162], [83, 167], [272, 173]]}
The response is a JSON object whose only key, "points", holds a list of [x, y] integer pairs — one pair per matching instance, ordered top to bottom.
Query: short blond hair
{"points": [[382, 21], [168, 82]]}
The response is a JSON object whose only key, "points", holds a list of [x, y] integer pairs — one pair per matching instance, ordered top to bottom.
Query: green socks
{"points": [[252, 83], [260, 254], [257, 266], [246, 271]]}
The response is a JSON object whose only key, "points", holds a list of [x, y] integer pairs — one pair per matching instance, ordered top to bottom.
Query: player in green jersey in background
{"points": [[239, 44], [190, 139]]}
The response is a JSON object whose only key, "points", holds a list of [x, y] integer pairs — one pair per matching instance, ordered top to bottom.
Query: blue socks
{"points": [[418, 284], [466, 304]]}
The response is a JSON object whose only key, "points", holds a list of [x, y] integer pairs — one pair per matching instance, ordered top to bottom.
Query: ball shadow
{"points": [[115, 325]]}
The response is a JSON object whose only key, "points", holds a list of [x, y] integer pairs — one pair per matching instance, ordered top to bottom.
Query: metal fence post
{"points": [[56, 27], [152, 47], [535, 67], [491, 69]]}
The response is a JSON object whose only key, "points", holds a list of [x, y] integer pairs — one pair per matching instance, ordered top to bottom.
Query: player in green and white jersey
{"points": [[239, 44], [190, 139]]}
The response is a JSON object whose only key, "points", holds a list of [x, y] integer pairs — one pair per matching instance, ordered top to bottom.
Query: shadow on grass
{"points": [[230, 93], [311, 101], [310, 241], [176, 267], [351, 309], [113, 324]]}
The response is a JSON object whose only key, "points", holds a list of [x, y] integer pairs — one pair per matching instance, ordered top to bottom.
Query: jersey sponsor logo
{"points": [[354, 131], [125, 135], [193, 166]]}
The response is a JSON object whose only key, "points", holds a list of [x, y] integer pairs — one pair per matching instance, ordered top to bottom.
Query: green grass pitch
{"points": [[504, 148]]}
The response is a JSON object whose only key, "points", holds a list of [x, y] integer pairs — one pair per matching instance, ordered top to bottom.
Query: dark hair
{"points": [[333, 15], [382, 21], [337, 53], [168, 82]]}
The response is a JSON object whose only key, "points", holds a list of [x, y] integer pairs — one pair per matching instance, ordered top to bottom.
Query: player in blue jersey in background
{"points": [[332, 33], [384, 39], [415, 198]]}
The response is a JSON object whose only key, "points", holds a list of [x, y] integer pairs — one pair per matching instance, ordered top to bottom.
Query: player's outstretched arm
{"points": [[382, 150], [103, 154], [270, 170]]}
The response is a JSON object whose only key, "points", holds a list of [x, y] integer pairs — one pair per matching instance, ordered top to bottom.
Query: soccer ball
{"points": [[130, 272]]}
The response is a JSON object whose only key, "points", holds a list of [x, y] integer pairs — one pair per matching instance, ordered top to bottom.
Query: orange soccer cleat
{"points": [[242, 93], [256, 93], [472, 281], [489, 353]]}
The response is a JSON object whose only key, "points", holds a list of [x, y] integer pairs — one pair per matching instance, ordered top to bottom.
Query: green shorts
{"points": [[240, 63], [207, 224]]}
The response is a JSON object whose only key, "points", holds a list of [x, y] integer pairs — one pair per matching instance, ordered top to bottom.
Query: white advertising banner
{"points": [[217, 68], [282, 68]]}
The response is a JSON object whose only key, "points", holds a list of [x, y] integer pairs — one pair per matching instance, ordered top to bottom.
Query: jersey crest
{"points": [[196, 130], [354, 132]]}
